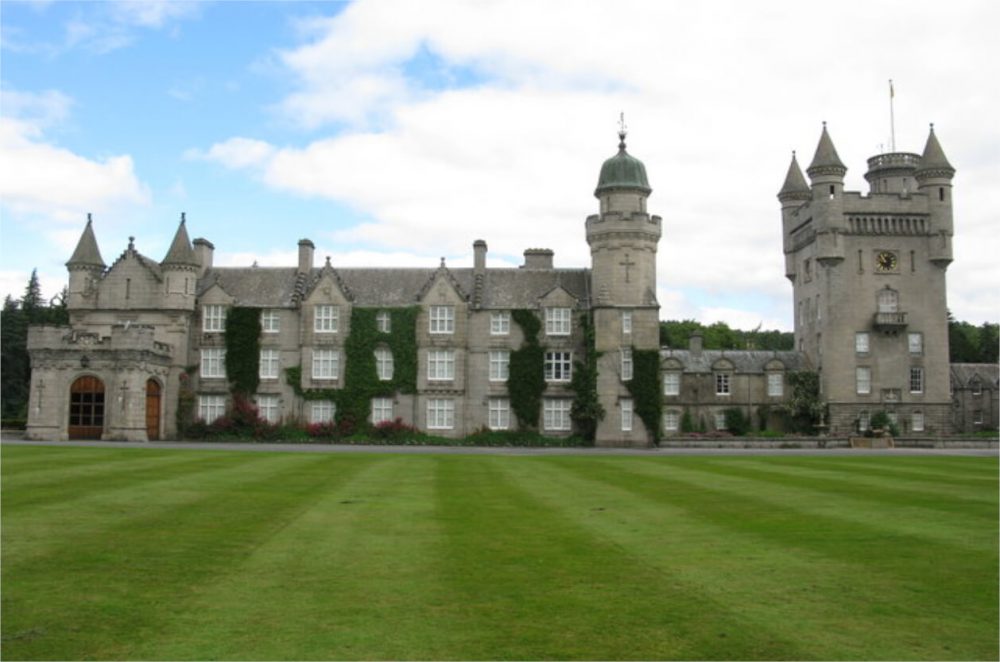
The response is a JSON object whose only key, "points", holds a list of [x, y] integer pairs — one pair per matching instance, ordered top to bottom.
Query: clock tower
{"points": [[868, 277]]}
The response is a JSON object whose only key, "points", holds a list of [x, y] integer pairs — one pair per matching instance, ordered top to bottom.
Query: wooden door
{"points": [[86, 408], [152, 410]]}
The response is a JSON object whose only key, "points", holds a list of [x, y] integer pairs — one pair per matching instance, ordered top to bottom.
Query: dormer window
{"points": [[213, 318]]}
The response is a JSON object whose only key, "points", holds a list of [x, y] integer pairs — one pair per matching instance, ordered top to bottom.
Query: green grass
{"points": [[154, 554]]}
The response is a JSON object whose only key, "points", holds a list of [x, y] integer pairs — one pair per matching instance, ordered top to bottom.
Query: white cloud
{"points": [[236, 153]]}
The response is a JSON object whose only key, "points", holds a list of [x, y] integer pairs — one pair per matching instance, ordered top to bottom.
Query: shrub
{"points": [[736, 421], [881, 421], [395, 429]]}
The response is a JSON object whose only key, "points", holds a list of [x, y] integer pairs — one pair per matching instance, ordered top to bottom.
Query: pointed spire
{"points": [[934, 159], [826, 161], [795, 187], [180, 252], [87, 254]]}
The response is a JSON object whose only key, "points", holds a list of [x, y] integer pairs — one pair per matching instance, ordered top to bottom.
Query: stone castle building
{"points": [[867, 273]]}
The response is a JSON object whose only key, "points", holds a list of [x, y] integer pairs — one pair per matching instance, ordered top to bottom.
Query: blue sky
{"points": [[396, 133]]}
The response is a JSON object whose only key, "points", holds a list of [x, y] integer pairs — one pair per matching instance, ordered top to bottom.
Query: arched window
{"points": [[86, 408]]}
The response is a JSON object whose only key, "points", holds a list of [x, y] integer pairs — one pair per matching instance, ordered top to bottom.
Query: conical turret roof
{"points": [[933, 157], [826, 160], [622, 171], [795, 183], [180, 252], [87, 254]]}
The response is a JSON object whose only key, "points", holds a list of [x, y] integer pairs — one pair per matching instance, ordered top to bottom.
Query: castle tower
{"points": [[623, 241], [85, 269], [180, 269], [868, 277]]}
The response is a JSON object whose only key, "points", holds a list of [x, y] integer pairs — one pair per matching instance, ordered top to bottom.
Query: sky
{"points": [[397, 133]]}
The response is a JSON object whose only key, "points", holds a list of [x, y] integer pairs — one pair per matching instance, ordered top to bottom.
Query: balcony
{"points": [[890, 322]]}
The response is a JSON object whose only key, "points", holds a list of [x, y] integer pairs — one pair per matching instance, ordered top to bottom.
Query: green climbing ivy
{"points": [[243, 350], [526, 376], [645, 389], [587, 410]]}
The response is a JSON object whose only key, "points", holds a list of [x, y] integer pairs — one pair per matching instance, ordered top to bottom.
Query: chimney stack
{"points": [[306, 248], [203, 252], [479, 256], [538, 258], [694, 344]]}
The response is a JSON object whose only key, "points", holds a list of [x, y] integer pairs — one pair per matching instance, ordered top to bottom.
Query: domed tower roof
{"points": [[933, 159], [826, 161], [622, 171], [795, 186]]}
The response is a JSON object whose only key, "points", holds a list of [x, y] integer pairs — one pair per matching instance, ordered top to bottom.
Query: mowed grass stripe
{"points": [[972, 472], [352, 576], [536, 584], [97, 593], [777, 597], [931, 598]]}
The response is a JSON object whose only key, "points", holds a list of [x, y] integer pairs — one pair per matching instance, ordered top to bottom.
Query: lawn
{"points": [[156, 554]]}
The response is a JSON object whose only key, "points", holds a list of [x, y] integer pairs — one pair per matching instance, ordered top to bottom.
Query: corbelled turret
{"points": [[85, 268]]}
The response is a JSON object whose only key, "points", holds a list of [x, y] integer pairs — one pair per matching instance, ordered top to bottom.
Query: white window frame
{"points": [[213, 318], [326, 318], [441, 320], [270, 321], [383, 321], [558, 321], [626, 322], [500, 323], [862, 342], [915, 343], [213, 363], [270, 363], [325, 363], [384, 365], [440, 365], [499, 365], [627, 365], [558, 366], [916, 379], [863, 380], [672, 383], [723, 383], [775, 384], [627, 406], [211, 407], [269, 408], [382, 410], [322, 411], [499, 413], [440, 414], [555, 414], [977, 416], [671, 420], [720, 420], [864, 420], [917, 421]]}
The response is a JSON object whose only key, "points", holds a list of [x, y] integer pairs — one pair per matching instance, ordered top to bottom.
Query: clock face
{"points": [[886, 261]]}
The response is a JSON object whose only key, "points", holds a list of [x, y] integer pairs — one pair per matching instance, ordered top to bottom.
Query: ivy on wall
{"points": [[243, 350], [526, 375], [361, 382], [645, 389], [804, 408], [587, 410]]}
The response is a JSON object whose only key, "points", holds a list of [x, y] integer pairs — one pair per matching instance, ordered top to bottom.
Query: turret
{"points": [[826, 174], [934, 180], [793, 194], [85, 269], [180, 269]]}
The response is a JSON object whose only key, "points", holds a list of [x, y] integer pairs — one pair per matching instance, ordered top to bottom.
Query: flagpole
{"points": [[892, 118]]}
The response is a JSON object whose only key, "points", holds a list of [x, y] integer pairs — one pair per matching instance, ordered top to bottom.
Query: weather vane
{"points": [[622, 129]]}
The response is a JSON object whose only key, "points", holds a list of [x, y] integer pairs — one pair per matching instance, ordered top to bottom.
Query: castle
{"points": [[442, 346]]}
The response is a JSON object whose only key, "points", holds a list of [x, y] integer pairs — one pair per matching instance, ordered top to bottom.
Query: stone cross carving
{"points": [[627, 263], [40, 388], [123, 398]]}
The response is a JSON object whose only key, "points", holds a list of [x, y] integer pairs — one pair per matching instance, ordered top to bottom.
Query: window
{"points": [[807, 268], [888, 301], [819, 312], [213, 318], [326, 319], [442, 319], [270, 321], [557, 321], [383, 322], [626, 322], [500, 323], [862, 342], [915, 342], [213, 362], [270, 363], [326, 364], [383, 364], [440, 364], [499, 365], [627, 365], [558, 366], [722, 380], [916, 380], [863, 381], [671, 383], [775, 384], [977, 386], [211, 407], [267, 408], [627, 408], [381, 410], [322, 411], [499, 413], [440, 414], [555, 414], [893, 417], [977, 417], [720, 420], [671, 421], [864, 421], [917, 421]]}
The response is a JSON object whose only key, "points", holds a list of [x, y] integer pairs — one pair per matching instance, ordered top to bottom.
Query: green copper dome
{"points": [[622, 171]]}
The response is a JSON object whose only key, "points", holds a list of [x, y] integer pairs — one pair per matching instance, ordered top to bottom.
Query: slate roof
{"points": [[826, 157], [933, 157], [795, 182], [180, 251], [87, 253], [744, 361], [963, 373]]}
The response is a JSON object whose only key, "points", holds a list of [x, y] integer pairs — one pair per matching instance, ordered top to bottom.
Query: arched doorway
{"points": [[86, 408], [152, 410]]}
